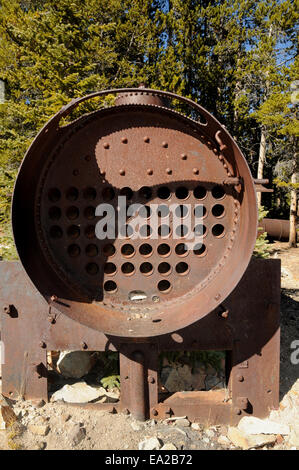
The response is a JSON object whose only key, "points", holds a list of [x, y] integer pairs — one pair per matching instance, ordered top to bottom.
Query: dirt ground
{"points": [[61, 426]]}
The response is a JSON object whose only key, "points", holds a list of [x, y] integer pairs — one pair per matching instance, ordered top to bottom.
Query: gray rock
{"points": [[75, 364], [179, 379], [213, 382], [79, 392], [184, 423], [251, 425], [136, 426], [195, 426], [39, 429], [210, 433], [77, 434], [294, 437], [223, 441], [252, 441], [152, 443], [41, 445], [168, 446]]}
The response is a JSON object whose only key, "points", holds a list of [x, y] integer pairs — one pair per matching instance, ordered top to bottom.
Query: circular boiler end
{"points": [[167, 277]]}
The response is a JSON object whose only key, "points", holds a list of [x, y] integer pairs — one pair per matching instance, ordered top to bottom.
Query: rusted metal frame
{"points": [[251, 331]]}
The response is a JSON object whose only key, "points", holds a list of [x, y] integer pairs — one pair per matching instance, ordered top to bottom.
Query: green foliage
{"points": [[237, 58], [261, 249], [110, 373], [111, 382]]}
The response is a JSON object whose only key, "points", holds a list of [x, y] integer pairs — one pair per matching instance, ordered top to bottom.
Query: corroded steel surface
{"points": [[153, 155], [249, 333]]}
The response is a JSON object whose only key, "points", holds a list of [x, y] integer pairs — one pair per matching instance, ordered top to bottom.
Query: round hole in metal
{"points": [[127, 192], [145, 192], [163, 192], [182, 192], [200, 192], [218, 192], [54, 194], [72, 194], [89, 194], [108, 194], [218, 210], [163, 211], [181, 211], [200, 211], [72, 212], [89, 212], [146, 212], [54, 213], [126, 230], [181, 230], [200, 230], [218, 230], [73, 231], [90, 231], [145, 231], [164, 231], [55, 232], [109, 249], [146, 249], [163, 249], [181, 249], [200, 249], [74, 250], [91, 250], [127, 250], [109, 268], [146, 268], [164, 268], [182, 268], [92, 269], [128, 269], [164, 286], [110, 287], [137, 296], [177, 338]]}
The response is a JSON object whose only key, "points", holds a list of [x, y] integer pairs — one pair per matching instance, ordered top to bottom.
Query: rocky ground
{"points": [[58, 425]]}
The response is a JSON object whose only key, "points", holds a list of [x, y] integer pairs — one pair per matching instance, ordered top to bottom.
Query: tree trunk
{"points": [[261, 162], [293, 206]]}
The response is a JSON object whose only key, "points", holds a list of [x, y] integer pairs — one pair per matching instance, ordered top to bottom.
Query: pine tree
{"points": [[51, 52]]}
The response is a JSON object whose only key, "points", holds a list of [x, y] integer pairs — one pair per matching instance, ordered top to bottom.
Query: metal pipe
{"points": [[276, 228], [139, 400]]}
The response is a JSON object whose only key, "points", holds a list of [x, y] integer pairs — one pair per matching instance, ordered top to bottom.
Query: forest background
{"points": [[238, 59]]}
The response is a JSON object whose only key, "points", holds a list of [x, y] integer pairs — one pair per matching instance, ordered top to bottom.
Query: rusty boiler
{"points": [[146, 294]]}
